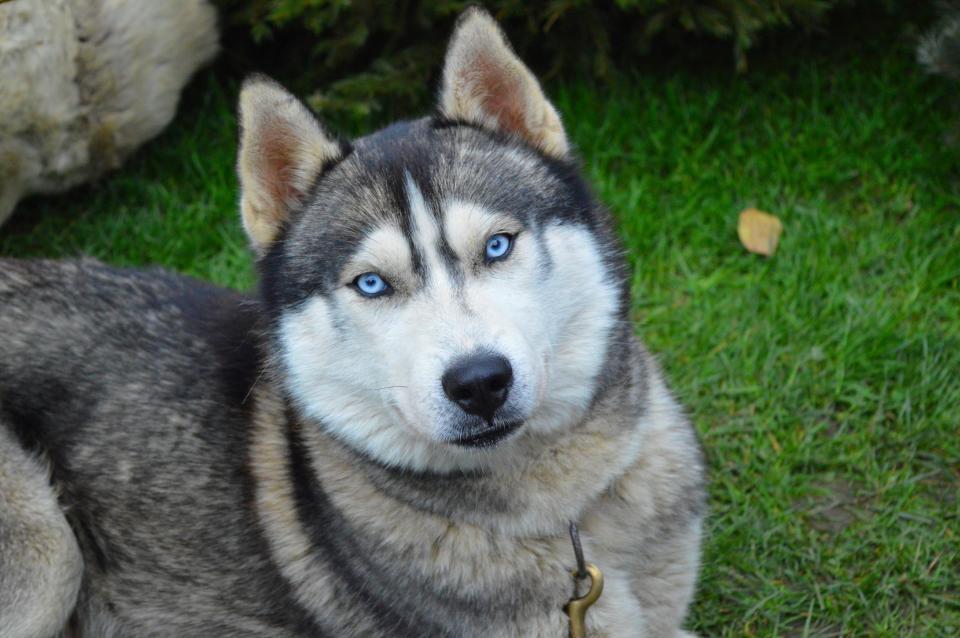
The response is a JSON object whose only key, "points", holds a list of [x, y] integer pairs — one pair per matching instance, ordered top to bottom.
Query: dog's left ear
{"points": [[485, 83], [283, 149]]}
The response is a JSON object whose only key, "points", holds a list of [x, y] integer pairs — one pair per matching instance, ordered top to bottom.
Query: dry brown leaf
{"points": [[759, 231]]}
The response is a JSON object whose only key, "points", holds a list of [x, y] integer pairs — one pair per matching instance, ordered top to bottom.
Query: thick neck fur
{"points": [[345, 527]]}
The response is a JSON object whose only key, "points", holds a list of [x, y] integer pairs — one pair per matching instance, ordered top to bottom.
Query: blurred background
{"points": [[824, 379]]}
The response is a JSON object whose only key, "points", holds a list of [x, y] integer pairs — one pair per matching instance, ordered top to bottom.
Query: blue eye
{"points": [[498, 247], [370, 284]]}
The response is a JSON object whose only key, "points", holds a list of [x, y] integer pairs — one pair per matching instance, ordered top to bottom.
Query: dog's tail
{"points": [[939, 49]]}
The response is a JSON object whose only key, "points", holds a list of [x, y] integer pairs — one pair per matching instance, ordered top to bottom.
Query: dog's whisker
{"points": [[252, 387]]}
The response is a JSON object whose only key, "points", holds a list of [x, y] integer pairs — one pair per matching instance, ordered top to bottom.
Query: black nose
{"points": [[479, 383]]}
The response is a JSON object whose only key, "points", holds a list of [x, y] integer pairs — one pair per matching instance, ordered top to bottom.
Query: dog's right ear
{"points": [[283, 149]]}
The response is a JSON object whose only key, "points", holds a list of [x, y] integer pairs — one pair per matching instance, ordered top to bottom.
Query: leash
{"points": [[576, 608]]}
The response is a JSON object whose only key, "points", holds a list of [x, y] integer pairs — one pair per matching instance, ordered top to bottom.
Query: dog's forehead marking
{"points": [[467, 225], [385, 247], [440, 265]]}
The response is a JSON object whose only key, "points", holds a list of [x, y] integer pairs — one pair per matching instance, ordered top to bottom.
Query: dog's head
{"points": [[441, 286]]}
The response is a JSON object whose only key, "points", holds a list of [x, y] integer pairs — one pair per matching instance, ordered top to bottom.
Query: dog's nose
{"points": [[479, 383]]}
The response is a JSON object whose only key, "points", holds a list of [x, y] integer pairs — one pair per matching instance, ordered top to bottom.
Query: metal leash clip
{"points": [[577, 608]]}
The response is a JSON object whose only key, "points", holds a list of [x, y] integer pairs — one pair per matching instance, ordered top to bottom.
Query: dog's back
{"points": [[88, 346], [130, 388]]}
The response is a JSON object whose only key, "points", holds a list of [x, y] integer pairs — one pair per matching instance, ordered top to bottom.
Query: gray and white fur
{"points": [[438, 375]]}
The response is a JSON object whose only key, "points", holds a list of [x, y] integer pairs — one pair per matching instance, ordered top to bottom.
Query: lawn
{"points": [[825, 381]]}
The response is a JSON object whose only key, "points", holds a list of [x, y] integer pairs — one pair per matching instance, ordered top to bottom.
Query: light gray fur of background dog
{"points": [[85, 82], [181, 460]]}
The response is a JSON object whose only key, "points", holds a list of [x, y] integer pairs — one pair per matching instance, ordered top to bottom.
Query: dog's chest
{"points": [[526, 584]]}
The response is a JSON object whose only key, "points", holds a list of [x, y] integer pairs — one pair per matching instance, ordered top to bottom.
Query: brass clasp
{"points": [[577, 608]]}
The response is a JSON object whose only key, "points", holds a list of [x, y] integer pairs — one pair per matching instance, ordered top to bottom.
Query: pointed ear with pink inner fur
{"points": [[485, 83], [283, 149]]}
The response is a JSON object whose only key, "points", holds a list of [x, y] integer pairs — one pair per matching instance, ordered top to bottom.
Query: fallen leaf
{"points": [[759, 232]]}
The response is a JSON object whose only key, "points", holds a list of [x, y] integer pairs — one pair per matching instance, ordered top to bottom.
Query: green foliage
{"points": [[366, 53]]}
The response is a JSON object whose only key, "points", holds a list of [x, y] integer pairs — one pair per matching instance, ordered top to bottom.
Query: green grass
{"points": [[825, 381]]}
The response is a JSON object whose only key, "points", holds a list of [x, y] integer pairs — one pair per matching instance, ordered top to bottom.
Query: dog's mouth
{"points": [[489, 436]]}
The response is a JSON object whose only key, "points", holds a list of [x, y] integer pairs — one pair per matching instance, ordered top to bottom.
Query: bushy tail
{"points": [[939, 50]]}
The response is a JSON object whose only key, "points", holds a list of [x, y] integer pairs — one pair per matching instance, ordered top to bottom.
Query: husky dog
{"points": [[438, 376]]}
